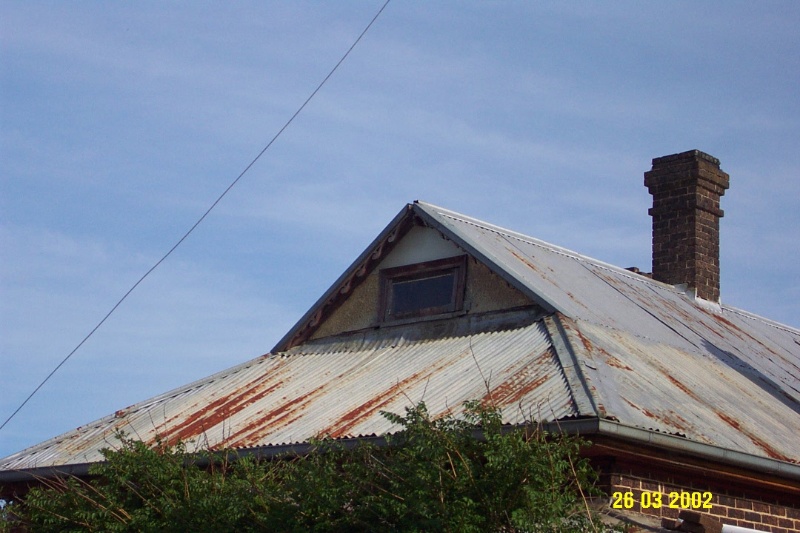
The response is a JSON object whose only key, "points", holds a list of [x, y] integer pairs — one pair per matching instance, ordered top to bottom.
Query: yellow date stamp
{"points": [[657, 500]]}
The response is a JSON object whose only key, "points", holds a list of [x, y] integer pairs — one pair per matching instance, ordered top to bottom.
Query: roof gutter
{"points": [[664, 441], [258, 452], [44, 472]]}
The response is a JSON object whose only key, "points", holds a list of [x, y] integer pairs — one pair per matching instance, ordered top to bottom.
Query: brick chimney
{"points": [[686, 190]]}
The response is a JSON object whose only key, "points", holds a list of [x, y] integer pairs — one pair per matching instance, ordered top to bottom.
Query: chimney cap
{"points": [[685, 156], [698, 167]]}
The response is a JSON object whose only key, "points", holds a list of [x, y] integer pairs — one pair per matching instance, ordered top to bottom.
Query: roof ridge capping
{"points": [[542, 243], [766, 321]]}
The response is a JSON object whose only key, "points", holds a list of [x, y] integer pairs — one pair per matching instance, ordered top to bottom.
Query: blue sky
{"points": [[120, 123]]}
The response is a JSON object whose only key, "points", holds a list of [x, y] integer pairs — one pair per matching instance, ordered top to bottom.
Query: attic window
{"points": [[423, 289]]}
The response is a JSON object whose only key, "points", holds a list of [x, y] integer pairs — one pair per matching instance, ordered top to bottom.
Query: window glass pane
{"points": [[415, 295]]}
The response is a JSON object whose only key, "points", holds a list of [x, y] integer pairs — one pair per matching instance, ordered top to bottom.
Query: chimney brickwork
{"points": [[686, 190]]}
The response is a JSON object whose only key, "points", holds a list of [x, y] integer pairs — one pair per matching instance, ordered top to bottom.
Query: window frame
{"points": [[419, 271]]}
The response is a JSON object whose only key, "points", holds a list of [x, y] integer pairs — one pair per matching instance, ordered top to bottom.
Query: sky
{"points": [[122, 122]]}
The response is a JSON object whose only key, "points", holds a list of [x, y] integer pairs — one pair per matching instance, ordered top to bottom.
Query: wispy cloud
{"points": [[121, 124]]}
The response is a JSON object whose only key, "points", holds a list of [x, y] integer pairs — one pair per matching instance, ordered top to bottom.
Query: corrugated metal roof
{"points": [[591, 291], [614, 345], [656, 357], [338, 387], [699, 395]]}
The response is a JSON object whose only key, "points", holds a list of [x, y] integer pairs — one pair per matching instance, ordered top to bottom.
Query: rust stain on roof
{"points": [[524, 259], [531, 265], [570, 328], [744, 335], [586, 342], [610, 359], [616, 363], [522, 382], [681, 386], [514, 390], [643, 410], [216, 411], [284, 414], [352, 418], [670, 419], [730, 421], [342, 426], [758, 441]]}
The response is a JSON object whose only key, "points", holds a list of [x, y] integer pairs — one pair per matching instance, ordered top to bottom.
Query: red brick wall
{"points": [[730, 504]]}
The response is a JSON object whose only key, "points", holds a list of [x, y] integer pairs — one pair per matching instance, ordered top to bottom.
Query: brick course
{"points": [[735, 506]]}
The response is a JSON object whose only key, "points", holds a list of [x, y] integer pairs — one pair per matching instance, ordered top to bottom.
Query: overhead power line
{"points": [[203, 216]]}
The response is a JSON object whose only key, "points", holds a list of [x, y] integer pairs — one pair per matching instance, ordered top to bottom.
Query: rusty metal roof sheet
{"points": [[588, 290], [614, 345], [337, 387], [705, 396]]}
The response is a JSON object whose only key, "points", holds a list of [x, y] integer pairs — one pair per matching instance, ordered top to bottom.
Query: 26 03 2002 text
{"points": [[657, 500]]}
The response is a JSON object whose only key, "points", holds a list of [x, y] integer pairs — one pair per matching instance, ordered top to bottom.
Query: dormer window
{"points": [[423, 289]]}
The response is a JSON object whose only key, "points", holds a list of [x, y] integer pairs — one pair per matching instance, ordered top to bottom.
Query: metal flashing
{"points": [[570, 365]]}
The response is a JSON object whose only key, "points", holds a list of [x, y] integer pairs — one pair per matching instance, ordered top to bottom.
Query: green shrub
{"points": [[449, 474]]}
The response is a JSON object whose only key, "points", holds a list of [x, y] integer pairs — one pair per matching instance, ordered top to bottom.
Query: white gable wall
{"points": [[420, 245]]}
